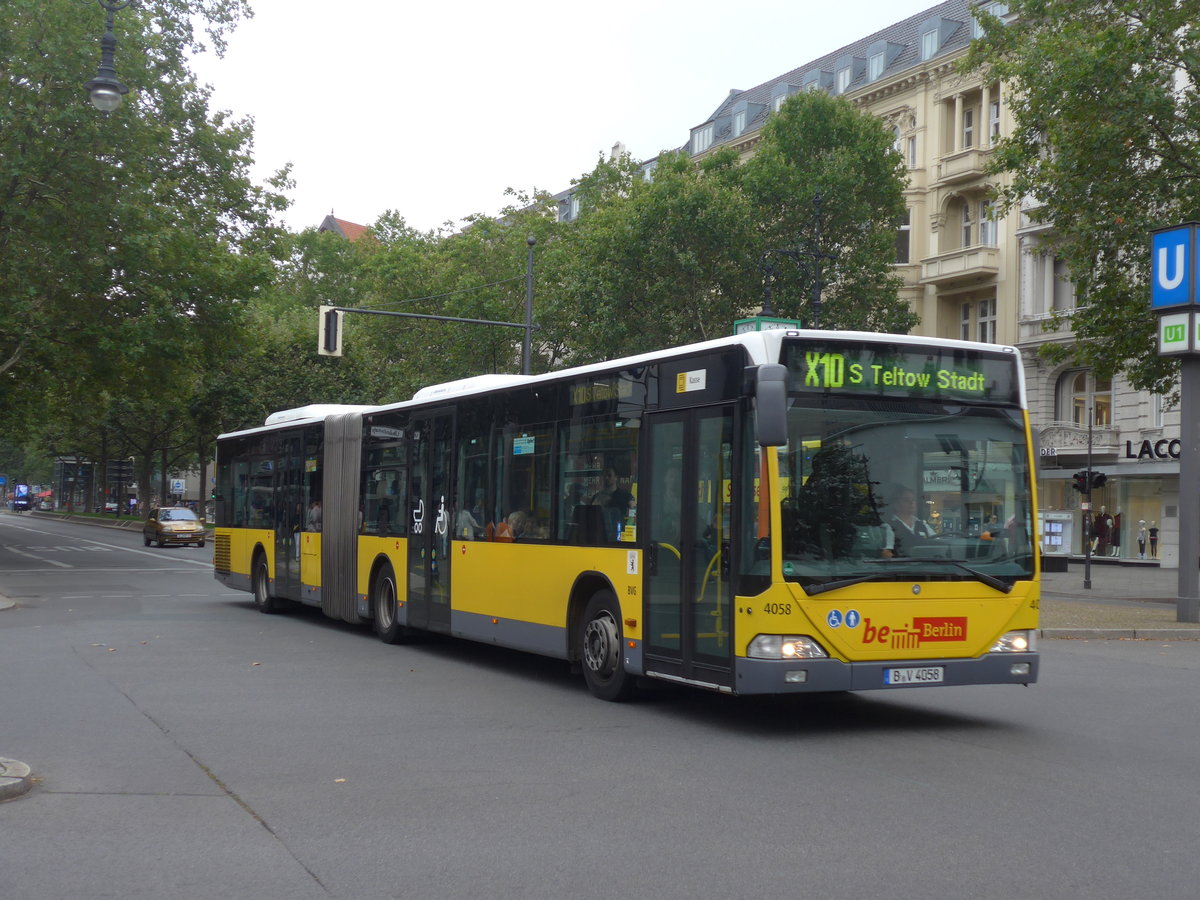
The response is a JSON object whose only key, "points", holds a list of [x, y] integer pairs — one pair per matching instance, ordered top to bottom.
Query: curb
{"points": [[1122, 634], [14, 779]]}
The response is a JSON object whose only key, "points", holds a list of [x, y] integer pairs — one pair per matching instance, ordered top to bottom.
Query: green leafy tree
{"points": [[1107, 146], [827, 187], [127, 241], [652, 263], [478, 272]]}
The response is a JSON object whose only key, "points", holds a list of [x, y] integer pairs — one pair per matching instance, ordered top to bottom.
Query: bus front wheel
{"points": [[261, 584], [386, 604], [600, 649]]}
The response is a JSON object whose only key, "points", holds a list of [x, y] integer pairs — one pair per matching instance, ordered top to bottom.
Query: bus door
{"points": [[289, 519], [429, 522], [687, 590]]}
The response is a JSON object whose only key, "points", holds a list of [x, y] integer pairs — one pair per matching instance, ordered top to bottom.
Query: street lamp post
{"points": [[104, 90], [808, 257]]}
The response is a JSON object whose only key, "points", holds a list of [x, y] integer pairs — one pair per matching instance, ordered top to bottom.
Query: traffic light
{"points": [[329, 341], [1080, 480], [1098, 480]]}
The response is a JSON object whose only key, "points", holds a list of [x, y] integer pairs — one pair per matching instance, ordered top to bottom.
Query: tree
{"points": [[1107, 146], [827, 186], [122, 236], [677, 258], [652, 263], [478, 272]]}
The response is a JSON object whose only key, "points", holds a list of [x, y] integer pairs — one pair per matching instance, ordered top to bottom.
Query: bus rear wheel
{"points": [[260, 582], [385, 601], [600, 648]]}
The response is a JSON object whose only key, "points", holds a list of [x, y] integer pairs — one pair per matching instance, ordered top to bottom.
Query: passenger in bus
{"points": [[611, 493], [614, 500], [313, 522], [467, 525], [515, 527]]}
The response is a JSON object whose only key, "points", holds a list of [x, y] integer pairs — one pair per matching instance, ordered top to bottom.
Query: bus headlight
{"points": [[1016, 642], [785, 646]]}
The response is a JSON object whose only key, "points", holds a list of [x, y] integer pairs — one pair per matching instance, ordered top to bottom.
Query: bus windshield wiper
{"points": [[990, 580], [814, 589]]}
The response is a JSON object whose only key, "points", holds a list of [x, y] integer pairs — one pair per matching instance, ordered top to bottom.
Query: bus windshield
{"points": [[877, 489]]}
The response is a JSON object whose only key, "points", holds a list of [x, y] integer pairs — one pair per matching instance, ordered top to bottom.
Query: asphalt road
{"points": [[187, 746]]}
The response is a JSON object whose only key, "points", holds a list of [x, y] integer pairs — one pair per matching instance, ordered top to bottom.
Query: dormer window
{"points": [[999, 10], [934, 33], [929, 44], [880, 55], [875, 65], [848, 70], [820, 80], [779, 93], [743, 115], [702, 139]]}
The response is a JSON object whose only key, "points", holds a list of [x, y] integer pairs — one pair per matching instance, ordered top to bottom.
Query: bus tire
{"points": [[260, 583], [385, 606], [600, 643]]}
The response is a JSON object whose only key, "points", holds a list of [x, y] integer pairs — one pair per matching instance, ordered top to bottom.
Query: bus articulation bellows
{"points": [[775, 512]]}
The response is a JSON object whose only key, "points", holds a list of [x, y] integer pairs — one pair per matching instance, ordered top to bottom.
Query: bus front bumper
{"points": [[773, 676]]}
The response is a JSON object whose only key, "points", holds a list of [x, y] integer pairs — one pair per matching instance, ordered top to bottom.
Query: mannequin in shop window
{"points": [[1101, 530], [1114, 536], [1141, 538], [1154, 540]]}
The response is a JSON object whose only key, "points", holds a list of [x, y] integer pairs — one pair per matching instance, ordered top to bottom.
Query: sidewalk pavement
{"points": [[1127, 600]]}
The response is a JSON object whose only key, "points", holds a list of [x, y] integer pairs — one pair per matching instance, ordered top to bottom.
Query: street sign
{"points": [[1173, 269], [765, 323], [1177, 333]]}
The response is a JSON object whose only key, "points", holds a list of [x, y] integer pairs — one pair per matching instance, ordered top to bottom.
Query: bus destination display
{"points": [[898, 370]]}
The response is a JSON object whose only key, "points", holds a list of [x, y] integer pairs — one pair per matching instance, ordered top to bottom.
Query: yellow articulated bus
{"points": [[774, 512]]}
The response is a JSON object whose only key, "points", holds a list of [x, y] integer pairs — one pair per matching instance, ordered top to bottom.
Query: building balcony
{"points": [[964, 165], [1032, 217], [967, 264], [1038, 329], [1069, 439]]}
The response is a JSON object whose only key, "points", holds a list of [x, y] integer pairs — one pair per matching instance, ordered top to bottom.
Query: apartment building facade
{"points": [[973, 274]]}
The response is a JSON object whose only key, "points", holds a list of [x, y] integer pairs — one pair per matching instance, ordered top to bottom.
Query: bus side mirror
{"points": [[770, 404]]}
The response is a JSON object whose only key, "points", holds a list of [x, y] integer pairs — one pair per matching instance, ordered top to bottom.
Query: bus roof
{"points": [[761, 347], [314, 411]]}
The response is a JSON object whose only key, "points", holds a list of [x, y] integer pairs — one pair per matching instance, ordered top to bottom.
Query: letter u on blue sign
{"points": [[1172, 267]]}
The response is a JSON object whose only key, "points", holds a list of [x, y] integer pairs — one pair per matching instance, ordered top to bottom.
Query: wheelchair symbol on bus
{"points": [[835, 619]]}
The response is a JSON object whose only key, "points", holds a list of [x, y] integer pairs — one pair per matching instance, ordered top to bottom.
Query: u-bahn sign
{"points": [[1174, 270], [1174, 273]]}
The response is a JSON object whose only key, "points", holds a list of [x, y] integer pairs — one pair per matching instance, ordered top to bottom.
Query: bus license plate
{"points": [[923, 675]]}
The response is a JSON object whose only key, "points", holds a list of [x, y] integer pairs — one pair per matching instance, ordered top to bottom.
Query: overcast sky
{"points": [[433, 109]]}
